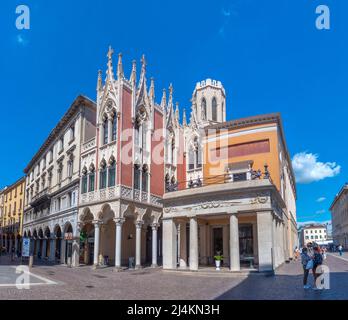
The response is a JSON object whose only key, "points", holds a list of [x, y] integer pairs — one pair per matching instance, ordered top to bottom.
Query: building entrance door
{"points": [[217, 241]]}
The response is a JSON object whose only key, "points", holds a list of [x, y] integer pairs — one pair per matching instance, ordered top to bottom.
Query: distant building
{"points": [[11, 203], [339, 213], [314, 232]]}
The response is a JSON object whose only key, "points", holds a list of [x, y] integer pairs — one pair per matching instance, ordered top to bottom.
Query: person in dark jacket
{"points": [[305, 258], [317, 261]]}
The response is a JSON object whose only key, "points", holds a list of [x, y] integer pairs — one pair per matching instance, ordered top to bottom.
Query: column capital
{"points": [[119, 221], [97, 223], [139, 223], [155, 226]]}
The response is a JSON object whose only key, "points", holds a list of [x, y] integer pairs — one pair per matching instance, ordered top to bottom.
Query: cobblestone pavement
{"points": [[147, 284]]}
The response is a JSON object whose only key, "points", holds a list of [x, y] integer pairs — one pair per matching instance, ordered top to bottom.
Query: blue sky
{"points": [[268, 54]]}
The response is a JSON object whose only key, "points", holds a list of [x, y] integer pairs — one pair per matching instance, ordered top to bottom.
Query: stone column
{"points": [[138, 227], [154, 227], [265, 240], [96, 243], [118, 243], [193, 243], [234, 243], [255, 243], [44, 244], [169, 244], [16, 245], [10, 246], [183, 249], [62, 250], [225, 250], [202, 254], [52, 256], [75, 259]]}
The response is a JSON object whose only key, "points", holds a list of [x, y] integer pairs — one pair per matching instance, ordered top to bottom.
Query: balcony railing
{"points": [[219, 179], [40, 197]]}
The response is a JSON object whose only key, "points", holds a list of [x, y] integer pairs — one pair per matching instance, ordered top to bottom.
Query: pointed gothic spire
{"points": [[109, 56], [143, 63], [143, 70], [120, 74], [133, 78], [99, 82], [152, 91], [164, 99], [170, 100], [177, 111], [184, 121]]}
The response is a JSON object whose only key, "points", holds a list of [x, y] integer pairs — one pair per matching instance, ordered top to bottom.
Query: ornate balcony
{"points": [[40, 197]]}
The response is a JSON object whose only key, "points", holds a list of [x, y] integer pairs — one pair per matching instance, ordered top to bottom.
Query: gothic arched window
{"points": [[204, 109], [214, 109], [114, 128], [105, 131], [198, 154], [112, 172], [91, 178], [145, 178], [84, 180], [136, 182], [102, 184]]}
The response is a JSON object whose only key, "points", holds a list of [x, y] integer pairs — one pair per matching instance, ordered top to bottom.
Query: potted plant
{"points": [[218, 258]]}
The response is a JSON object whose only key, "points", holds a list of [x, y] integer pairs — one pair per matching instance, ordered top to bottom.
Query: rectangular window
{"points": [[70, 168], [91, 182]]}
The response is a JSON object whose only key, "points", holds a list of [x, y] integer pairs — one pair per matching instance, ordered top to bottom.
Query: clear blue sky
{"points": [[268, 54]]}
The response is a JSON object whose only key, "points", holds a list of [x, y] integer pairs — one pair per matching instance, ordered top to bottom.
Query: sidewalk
{"points": [[337, 255]]}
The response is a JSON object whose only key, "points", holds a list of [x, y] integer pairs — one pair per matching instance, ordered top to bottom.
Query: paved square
{"points": [[18, 276], [60, 282]]}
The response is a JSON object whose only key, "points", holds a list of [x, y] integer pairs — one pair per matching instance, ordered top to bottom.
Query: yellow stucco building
{"points": [[12, 215]]}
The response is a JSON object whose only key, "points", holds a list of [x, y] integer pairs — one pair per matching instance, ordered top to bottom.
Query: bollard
{"points": [[31, 260]]}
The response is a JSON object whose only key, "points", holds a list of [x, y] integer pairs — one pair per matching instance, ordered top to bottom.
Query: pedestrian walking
{"points": [[340, 249], [13, 253], [296, 253], [317, 261], [307, 264]]}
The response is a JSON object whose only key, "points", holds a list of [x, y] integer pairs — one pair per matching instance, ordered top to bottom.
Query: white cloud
{"points": [[308, 169], [321, 199], [320, 211]]}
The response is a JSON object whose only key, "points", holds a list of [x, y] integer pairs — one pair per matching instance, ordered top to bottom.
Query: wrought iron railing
{"points": [[220, 179]]}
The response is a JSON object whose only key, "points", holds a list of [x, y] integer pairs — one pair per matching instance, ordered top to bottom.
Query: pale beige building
{"points": [[52, 187], [339, 213]]}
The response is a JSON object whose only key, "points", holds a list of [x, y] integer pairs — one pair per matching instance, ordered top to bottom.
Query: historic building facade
{"points": [[124, 181], [121, 182], [52, 186], [12, 203], [243, 205], [339, 214]]}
